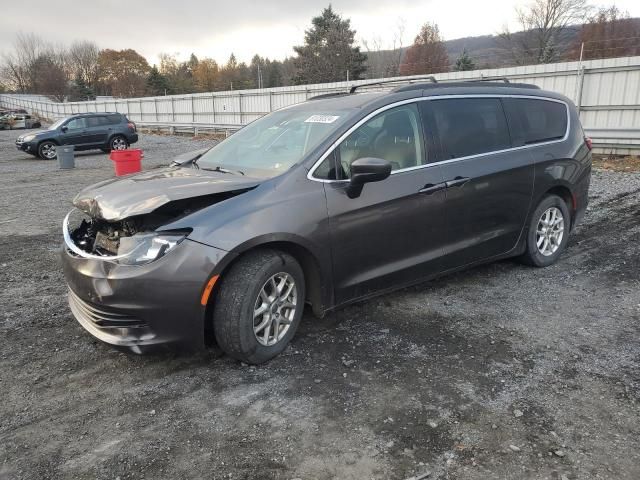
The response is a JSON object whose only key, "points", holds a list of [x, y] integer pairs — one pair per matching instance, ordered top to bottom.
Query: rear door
{"points": [[97, 130], [489, 183], [391, 234]]}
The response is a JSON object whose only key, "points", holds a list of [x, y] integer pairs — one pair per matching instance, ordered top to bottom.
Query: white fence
{"points": [[607, 92]]}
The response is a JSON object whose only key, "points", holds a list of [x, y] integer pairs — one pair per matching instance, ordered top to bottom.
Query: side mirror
{"points": [[64, 128], [365, 170]]}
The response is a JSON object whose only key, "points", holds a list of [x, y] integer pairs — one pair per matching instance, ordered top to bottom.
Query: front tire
{"points": [[47, 151], [548, 232], [259, 306]]}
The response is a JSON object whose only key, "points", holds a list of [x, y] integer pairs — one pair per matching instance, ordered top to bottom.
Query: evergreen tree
{"points": [[328, 52], [464, 62], [157, 84], [80, 91]]}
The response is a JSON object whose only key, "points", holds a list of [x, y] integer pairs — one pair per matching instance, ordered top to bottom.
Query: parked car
{"points": [[14, 121], [86, 131], [327, 202]]}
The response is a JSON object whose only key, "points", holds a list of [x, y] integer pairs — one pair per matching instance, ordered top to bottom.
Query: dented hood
{"points": [[119, 198]]}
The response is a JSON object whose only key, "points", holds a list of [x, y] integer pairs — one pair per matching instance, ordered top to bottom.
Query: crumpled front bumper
{"points": [[134, 306]]}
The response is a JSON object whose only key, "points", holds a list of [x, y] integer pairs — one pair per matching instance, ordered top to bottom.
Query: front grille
{"points": [[103, 319]]}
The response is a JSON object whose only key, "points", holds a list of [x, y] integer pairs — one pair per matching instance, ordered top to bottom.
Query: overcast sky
{"points": [[269, 28]]}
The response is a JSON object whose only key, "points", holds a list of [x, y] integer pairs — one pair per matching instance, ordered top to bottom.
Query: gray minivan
{"points": [[325, 203]]}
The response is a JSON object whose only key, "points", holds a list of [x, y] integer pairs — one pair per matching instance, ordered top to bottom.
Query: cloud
{"points": [[216, 29]]}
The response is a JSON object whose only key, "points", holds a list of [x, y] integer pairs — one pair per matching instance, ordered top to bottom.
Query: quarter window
{"points": [[535, 121], [470, 126]]}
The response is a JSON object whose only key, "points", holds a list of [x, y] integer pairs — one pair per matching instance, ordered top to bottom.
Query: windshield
{"points": [[57, 124], [274, 143]]}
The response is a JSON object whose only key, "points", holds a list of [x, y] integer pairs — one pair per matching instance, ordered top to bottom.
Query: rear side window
{"points": [[96, 121], [535, 121], [470, 126]]}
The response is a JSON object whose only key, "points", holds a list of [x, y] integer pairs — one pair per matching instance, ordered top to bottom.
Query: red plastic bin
{"points": [[126, 161]]}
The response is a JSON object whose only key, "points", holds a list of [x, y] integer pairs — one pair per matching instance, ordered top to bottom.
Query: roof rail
{"points": [[487, 79], [395, 80], [327, 95]]}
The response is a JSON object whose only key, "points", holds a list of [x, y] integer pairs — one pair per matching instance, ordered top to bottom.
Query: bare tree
{"points": [[544, 26], [610, 32], [83, 59], [385, 62], [18, 66], [36, 66]]}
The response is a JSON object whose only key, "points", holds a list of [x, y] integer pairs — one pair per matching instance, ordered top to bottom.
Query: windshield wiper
{"points": [[220, 169]]}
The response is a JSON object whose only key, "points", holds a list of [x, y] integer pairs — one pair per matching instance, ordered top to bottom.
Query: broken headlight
{"points": [[146, 247]]}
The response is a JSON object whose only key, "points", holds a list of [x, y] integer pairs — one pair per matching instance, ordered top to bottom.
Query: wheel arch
{"points": [[52, 140], [563, 191], [317, 292]]}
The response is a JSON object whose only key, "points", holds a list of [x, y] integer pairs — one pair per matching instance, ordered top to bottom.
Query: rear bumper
{"points": [[132, 138], [581, 195], [134, 306]]}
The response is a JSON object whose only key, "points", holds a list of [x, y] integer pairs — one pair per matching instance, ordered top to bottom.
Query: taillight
{"points": [[132, 126], [588, 142]]}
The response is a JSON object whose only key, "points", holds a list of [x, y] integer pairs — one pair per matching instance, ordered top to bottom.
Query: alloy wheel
{"points": [[118, 144], [49, 151], [550, 231], [275, 309]]}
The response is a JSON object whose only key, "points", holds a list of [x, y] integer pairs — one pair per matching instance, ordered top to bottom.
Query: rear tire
{"points": [[118, 142], [47, 151], [548, 232], [264, 289]]}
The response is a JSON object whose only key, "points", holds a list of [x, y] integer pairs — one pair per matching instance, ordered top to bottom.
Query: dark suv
{"points": [[86, 131], [326, 202]]}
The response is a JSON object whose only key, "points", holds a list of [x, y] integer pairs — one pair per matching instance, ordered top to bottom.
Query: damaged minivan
{"points": [[324, 203]]}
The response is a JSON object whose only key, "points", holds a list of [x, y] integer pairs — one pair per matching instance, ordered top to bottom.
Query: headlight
{"points": [[28, 138], [146, 247]]}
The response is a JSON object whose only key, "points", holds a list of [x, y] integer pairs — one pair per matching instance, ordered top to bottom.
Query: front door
{"points": [[75, 133], [489, 184], [391, 234]]}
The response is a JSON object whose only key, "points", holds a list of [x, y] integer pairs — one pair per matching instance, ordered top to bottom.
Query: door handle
{"points": [[457, 182], [430, 188]]}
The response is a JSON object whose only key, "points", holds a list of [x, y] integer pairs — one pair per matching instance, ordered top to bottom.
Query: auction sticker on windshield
{"points": [[321, 119]]}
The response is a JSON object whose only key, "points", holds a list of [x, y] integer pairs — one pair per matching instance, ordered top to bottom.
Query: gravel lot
{"points": [[501, 372]]}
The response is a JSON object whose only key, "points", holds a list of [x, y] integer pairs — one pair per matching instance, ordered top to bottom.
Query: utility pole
{"points": [[347, 75]]}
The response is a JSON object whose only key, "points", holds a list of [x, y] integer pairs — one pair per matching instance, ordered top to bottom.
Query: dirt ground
{"points": [[501, 372]]}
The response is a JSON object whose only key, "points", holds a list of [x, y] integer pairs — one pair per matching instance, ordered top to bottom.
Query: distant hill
{"points": [[487, 51]]}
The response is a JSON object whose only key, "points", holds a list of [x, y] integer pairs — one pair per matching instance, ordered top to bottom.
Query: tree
{"points": [[544, 25], [608, 33], [328, 53], [427, 54], [83, 59], [382, 62], [464, 62], [19, 66], [123, 73], [178, 74], [205, 75], [157, 83], [80, 91]]}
